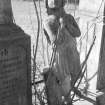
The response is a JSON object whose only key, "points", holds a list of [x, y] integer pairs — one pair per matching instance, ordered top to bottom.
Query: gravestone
{"points": [[15, 60], [15, 70]]}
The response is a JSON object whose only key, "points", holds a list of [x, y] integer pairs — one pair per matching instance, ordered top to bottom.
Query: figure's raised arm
{"points": [[72, 26], [76, 28]]}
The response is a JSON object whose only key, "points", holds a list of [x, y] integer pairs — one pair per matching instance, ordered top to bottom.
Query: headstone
{"points": [[15, 60], [15, 66]]}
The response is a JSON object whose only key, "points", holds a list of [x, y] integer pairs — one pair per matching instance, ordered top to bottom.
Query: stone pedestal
{"points": [[15, 66], [100, 100]]}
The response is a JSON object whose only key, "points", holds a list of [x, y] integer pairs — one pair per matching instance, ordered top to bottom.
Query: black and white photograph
{"points": [[52, 52]]}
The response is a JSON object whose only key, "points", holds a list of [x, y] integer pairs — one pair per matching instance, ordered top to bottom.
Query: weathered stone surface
{"points": [[15, 66], [101, 66], [101, 69]]}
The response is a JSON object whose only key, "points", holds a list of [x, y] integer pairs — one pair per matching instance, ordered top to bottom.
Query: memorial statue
{"points": [[61, 30]]}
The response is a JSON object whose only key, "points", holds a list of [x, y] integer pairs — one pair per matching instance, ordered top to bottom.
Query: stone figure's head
{"points": [[54, 6]]}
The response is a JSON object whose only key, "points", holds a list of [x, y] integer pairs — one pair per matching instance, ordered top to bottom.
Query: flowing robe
{"points": [[66, 62]]}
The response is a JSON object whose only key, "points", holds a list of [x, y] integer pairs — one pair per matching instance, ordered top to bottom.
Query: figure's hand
{"points": [[62, 23], [64, 26]]}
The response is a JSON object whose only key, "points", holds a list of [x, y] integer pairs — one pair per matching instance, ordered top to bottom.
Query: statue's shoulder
{"points": [[69, 18], [50, 20], [51, 24]]}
